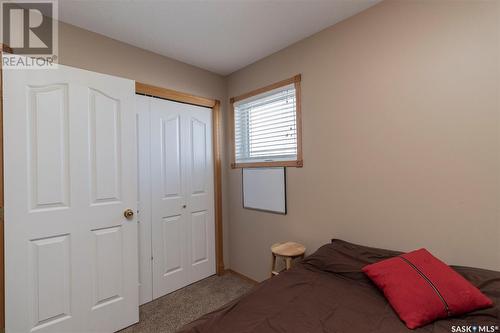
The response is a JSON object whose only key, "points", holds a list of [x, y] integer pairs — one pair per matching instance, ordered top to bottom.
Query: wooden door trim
{"points": [[3, 48], [149, 90], [176, 96]]}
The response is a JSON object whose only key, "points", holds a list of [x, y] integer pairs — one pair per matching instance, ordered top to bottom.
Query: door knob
{"points": [[184, 206], [128, 213]]}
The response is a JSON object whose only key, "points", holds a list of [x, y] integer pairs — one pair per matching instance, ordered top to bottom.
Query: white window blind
{"points": [[265, 127]]}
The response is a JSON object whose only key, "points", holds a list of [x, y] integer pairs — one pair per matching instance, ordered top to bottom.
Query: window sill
{"points": [[296, 164]]}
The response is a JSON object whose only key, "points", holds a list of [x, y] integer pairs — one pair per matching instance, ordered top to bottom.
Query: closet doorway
{"points": [[177, 196]]}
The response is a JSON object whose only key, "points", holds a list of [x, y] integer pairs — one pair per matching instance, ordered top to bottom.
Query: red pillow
{"points": [[422, 288]]}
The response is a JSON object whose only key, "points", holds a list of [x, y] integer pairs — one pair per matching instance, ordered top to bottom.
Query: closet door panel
{"points": [[200, 193], [182, 195], [144, 198], [169, 222]]}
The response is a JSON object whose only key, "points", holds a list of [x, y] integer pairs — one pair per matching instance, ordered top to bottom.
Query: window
{"points": [[267, 126]]}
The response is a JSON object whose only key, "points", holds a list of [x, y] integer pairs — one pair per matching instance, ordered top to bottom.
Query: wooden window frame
{"points": [[299, 162]]}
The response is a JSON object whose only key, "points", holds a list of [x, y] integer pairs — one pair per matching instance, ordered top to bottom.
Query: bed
{"points": [[328, 292]]}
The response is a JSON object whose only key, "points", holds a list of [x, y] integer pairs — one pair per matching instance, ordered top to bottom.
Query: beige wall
{"points": [[84, 49], [401, 130], [401, 136]]}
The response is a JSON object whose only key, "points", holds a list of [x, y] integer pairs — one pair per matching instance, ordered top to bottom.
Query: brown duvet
{"points": [[327, 292]]}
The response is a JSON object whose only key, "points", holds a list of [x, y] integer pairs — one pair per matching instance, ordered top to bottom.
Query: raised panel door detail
{"points": [[65, 128], [48, 146], [105, 151], [199, 155], [171, 157], [138, 195], [182, 195], [199, 227], [172, 244], [108, 266], [50, 271]]}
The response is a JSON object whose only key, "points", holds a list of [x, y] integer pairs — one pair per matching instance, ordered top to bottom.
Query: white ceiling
{"points": [[221, 36]]}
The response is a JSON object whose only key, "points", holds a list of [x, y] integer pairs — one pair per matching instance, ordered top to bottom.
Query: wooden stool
{"points": [[288, 251]]}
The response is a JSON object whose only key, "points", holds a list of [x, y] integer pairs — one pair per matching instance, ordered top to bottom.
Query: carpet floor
{"points": [[169, 313]]}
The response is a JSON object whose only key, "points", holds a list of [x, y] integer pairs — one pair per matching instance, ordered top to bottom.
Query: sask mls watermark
{"points": [[29, 32], [474, 328]]}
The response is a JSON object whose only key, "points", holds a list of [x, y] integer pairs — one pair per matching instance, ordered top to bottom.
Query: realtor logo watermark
{"points": [[30, 33]]}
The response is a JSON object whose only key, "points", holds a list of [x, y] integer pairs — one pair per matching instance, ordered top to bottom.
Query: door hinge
{"points": [[1, 214], [151, 258]]}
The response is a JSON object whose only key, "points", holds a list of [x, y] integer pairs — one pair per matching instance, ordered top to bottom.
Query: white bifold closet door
{"points": [[70, 173], [179, 191]]}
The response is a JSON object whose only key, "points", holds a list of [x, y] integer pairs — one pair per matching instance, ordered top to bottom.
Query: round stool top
{"points": [[288, 249]]}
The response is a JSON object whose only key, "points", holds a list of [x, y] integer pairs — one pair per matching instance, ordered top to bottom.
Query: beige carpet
{"points": [[169, 313]]}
